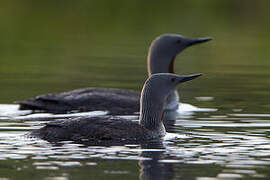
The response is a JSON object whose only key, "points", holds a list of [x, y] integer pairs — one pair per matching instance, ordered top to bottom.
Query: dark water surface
{"points": [[54, 46]]}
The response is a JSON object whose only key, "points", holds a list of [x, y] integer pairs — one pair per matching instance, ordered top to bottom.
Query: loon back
{"points": [[116, 101], [93, 131]]}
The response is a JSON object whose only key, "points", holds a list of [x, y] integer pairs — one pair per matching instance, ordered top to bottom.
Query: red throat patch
{"points": [[171, 66], [162, 116]]}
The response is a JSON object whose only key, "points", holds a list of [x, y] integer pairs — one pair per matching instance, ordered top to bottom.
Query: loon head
{"points": [[165, 48], [153, 98]]}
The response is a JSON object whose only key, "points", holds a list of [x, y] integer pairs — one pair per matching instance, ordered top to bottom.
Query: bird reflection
{"points": [[153, 169]]}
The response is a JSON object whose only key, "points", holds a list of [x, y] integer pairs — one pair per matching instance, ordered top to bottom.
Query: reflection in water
{"points": [[12, 113], [225, 146], [151, 168]]}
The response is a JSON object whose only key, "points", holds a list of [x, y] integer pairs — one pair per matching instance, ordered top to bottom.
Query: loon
{"points": [[161, 56], [106, 130]]}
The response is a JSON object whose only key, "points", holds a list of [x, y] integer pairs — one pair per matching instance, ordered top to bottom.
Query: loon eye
{"points": [[178, 41], [173, 79]]}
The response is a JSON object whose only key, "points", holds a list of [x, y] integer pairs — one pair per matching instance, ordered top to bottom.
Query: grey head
{"points": [[165, 48], [153, 99]]}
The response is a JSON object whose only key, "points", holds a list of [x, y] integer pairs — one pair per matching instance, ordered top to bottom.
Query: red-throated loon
{"points": [[161, 55], [102, 130]]}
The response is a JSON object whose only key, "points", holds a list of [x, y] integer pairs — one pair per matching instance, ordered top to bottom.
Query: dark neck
{"points": [[158, 63]]}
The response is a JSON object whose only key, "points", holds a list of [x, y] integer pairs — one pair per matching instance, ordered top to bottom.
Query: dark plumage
{"points": [[116, 101], [91, 131]]}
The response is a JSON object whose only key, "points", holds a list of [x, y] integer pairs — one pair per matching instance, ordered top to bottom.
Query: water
{"points": [[57, 46], [226, 146]]}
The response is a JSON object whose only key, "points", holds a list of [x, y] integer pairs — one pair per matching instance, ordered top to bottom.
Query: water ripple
{"points": [[237, 143]]}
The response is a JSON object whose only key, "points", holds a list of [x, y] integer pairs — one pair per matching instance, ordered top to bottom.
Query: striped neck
{"points": [[151, 111]]}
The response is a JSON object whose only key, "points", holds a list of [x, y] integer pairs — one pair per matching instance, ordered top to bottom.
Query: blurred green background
{"points": [[60, 45]]}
